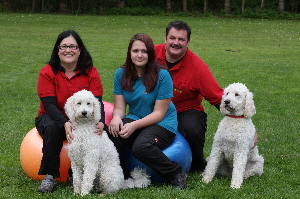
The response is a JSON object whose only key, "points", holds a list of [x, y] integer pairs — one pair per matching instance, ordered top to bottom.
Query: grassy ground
{"points": [[263, 54]]}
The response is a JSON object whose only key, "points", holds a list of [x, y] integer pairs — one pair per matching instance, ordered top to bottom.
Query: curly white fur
{"points": [[233, 150], [95, 157]]}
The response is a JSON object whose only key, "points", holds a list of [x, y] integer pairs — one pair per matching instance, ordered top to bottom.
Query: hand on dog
{"points": [[68, 128], [99, 128]]}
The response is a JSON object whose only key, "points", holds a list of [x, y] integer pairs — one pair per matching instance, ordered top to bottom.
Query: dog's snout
{"points": [[227, 101], [84, 112]]}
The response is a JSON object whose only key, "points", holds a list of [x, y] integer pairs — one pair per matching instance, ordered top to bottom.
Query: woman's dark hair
{"points": [[179, 25], [85, 60], [150, 72]]}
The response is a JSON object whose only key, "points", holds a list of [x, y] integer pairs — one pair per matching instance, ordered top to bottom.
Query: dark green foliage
{"points": [[252, 8], [135, 11]]}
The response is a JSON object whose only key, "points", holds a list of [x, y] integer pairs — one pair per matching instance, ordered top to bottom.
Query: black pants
{"points": [[192, 125], [53, 138], [147, 144]]}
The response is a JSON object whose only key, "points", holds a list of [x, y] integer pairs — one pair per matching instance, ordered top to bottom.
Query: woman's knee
{"points": [[46, 126], [141, 148]]}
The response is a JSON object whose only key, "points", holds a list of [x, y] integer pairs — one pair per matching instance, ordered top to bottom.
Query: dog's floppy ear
{"points": [[222, 105], [249, 105], [69, 108], [97, 109]]}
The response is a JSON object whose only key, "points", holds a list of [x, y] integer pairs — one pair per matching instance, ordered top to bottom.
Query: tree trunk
{"points": [[121, 3], [7, 4], [33, 5], [43, 5], [79, 5], [169, 5], [184, 5], [262, 5], [205, 6], [227, 6], [243, 6], [281, 6], [294, 6], [63, 7]]}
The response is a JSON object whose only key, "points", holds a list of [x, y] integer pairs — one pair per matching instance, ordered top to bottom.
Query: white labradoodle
{"points": [[234, 151], [95, 157]]}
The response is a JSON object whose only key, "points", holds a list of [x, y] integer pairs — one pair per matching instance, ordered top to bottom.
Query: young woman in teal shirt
{"points": [[151, 124]]}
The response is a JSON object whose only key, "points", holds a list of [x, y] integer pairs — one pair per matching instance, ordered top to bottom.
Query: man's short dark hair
{"points": [[179, 25]]}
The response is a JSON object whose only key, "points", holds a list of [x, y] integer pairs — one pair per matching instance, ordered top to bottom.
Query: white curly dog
{"points": [[234, 151], [94, 158]]}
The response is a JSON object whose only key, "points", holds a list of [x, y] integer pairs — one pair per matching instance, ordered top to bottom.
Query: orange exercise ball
{"points": [[31, 151], [31, 156]]}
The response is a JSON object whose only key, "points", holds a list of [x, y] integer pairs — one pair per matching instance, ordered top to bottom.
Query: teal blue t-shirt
{"points": [[142, 104]]}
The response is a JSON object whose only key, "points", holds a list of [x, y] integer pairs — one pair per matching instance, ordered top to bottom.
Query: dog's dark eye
{"points": [[237, 94], [79, 103], [88, 103]]}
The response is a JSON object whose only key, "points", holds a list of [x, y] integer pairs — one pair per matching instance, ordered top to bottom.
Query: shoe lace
{"points": [[48, 181]]}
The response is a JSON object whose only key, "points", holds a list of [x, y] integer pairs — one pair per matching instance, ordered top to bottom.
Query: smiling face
{"points": [[176, 44], [139, 55], [68, 57]]}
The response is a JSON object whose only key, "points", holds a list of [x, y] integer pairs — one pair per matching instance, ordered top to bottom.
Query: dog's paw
{"points": [[206, 179], [235, 186], [77, 191], [83, 193]]}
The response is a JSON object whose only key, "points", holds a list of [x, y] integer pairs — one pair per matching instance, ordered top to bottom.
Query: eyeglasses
{"points": [[65, 47]]}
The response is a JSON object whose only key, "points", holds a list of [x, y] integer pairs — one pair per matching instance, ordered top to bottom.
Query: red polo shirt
{"points": [[192, 80], [62, 87]]}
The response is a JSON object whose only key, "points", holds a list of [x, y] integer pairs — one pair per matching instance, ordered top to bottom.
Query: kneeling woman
{"points": [[151, 124]]}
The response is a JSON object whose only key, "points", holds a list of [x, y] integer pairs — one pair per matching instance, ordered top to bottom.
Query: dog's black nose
{"points": [[227, 101], [84, 112]]}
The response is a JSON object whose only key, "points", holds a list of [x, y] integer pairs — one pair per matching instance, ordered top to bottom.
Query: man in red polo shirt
{"points": [[192, 81]]}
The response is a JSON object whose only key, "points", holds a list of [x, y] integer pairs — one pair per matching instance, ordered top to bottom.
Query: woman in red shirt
{"points": [[69, 70]]}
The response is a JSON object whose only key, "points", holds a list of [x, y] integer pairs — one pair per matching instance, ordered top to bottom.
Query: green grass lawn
{"points": [[263, 54]]}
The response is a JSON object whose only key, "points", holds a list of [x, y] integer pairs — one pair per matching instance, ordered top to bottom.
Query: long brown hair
{"points": [[150, 73]]}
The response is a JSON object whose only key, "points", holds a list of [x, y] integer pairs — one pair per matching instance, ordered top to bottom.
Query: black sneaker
{"points": [[178, 180], [48, 184]]}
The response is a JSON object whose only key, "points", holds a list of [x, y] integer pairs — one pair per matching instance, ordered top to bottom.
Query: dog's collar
{"points": [[233, 116]]}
